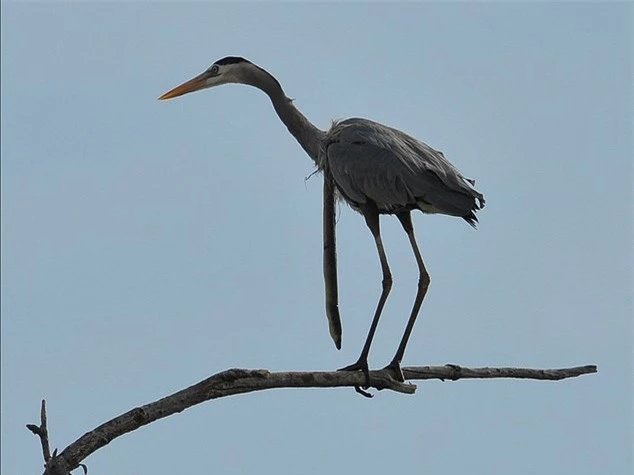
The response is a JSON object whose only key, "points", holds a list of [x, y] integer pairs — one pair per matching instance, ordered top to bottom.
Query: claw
{"points": [[363, 393]]}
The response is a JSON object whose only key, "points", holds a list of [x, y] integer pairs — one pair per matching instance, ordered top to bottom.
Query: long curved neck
{"points": [[308, 136]]}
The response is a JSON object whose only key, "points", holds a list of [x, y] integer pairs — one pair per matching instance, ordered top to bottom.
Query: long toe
{"points": [[360, 365], [395, 369]]}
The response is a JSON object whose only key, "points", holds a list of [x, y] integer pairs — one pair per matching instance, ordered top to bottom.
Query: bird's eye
{"points": [[214, 69]]}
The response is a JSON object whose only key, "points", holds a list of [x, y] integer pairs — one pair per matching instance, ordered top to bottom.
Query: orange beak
{"points": [[195, 84]]}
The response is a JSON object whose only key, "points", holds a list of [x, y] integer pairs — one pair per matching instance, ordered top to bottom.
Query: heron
{"points": [[375, 169]]}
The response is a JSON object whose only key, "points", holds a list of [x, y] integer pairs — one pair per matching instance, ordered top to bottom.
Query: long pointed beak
{"points": [[195, 84]]}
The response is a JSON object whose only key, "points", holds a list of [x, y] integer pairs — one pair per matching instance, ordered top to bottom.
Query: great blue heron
{"points": [[376, 169]]}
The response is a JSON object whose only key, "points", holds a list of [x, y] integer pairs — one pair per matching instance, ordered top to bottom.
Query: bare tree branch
{"points": [[240, 381]]}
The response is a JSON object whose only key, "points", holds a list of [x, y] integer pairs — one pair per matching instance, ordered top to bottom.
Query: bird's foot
{"points": [[360, 365], [395, 369]]}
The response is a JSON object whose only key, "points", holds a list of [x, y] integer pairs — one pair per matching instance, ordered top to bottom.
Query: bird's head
{"points": [[227, 70]]}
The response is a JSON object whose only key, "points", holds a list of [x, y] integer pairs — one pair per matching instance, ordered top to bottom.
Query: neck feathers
{"points": [[308, 136]]}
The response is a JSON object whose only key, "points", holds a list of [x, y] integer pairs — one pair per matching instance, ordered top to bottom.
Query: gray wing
{"points": [[370, 161]]}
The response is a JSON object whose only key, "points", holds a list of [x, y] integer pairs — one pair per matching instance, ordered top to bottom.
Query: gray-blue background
{"points": [[147, 245]]}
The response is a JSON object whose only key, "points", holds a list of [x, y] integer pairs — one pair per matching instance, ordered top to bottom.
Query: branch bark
{"points": [[240, 381]]}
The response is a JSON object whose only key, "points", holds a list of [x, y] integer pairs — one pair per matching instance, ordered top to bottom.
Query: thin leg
{"points": [[371, 214], [423, 284]]}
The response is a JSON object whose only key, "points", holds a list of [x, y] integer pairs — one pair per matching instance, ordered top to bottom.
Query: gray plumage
{"points": [[373, 162], [376, 169]]}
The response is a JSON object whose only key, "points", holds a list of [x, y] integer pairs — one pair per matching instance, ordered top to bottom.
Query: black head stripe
{"points": [[231, 60]]}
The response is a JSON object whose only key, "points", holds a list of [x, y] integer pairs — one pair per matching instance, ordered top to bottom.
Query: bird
{"points": [[374, 168]]}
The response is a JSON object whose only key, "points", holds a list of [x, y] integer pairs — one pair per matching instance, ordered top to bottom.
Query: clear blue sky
{"points": [[147, 245]]}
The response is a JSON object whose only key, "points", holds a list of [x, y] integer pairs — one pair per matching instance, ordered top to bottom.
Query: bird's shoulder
{"points": [[357, 129], [375, 141]]}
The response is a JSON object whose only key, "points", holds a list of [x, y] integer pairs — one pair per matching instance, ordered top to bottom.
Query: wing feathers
{"points": [[370, 161]]}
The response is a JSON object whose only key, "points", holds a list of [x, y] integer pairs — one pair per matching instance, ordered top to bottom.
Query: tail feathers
{"points": [[481, 201], [471, 218]]}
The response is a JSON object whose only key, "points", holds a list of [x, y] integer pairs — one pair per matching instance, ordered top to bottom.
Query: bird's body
{"points": [[370, 161], [374, 168]]}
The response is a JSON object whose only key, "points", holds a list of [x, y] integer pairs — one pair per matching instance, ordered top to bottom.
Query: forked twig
{"points": [[42, 432]]}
